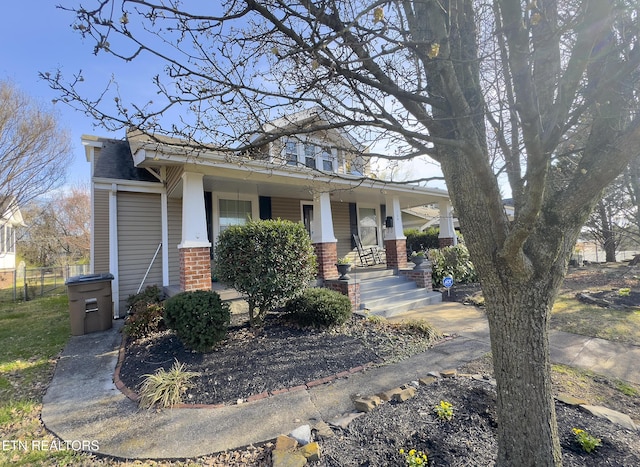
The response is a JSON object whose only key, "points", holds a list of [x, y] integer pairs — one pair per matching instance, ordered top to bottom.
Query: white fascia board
{"points": [[90, 144], [139, 156], [128, 185]]}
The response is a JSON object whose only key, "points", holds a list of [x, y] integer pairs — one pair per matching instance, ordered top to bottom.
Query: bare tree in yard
{"points": [[492, 90], [34, 151], [603, 225], [57, 231]]}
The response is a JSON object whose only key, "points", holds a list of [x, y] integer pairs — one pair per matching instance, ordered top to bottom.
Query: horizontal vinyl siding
{"points": [[174, 209], [287, 209], [341, 227], [101, 231], [139, 233]]}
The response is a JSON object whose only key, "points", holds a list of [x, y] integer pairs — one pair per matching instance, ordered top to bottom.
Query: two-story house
{"points": [[161, 195]]}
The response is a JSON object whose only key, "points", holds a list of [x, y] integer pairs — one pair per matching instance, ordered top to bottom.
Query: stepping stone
{"points": [[570, 400], [613, 416], [344, 421]]}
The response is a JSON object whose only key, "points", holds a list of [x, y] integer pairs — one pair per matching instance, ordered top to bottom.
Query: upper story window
{"points": [[310, 155]]}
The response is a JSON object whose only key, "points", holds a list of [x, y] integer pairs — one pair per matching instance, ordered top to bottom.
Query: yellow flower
{"points": [[401, 451], [412, 452]]}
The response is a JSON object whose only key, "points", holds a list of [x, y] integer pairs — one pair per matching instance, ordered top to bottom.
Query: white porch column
{"points": [[393, 210], [194, 221], [322, 224], [447, 235], [323, 238], [395, 243], [195, 265]]}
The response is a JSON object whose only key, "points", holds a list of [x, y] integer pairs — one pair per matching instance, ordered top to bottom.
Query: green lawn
{"points": [[570, 315], [32, 334]]}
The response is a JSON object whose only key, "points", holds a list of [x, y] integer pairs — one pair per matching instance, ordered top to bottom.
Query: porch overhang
{"points": [[229, 172]]}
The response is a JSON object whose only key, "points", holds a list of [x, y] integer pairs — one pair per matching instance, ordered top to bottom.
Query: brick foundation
{"points": [[446, 241], [396, 252], [327, 254], [195, 269], [422, 277], [350, 288]]}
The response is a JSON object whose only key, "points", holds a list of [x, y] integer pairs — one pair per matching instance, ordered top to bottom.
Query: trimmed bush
{"points": [[422, 241], [269, 261], [452, 261], [320, 308], [199, 318], [145, 321]]}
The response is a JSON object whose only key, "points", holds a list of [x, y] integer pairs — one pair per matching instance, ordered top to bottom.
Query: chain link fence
{"points": [[28, 283]]}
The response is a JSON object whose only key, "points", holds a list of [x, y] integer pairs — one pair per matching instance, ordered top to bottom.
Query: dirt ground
{"points": [[375, 439]]}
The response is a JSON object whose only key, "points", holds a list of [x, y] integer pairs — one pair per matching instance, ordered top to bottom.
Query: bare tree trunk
{"points": [[518, 320]]}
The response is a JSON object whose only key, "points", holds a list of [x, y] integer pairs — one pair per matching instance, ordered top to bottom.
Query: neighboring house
{"points": [[146, 193], [10, 218]]}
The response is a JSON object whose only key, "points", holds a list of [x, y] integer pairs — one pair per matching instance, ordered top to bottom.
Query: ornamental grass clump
{"points": [[420, 327], [165, 388]]}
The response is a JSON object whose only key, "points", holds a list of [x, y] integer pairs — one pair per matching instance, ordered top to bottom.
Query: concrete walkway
{"points": [[82, 402]]}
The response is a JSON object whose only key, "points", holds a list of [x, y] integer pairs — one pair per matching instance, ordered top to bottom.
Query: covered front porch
{"points": [[334, 212]]}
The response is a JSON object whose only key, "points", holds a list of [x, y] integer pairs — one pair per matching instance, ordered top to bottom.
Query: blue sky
{"points": [[36, 36]]}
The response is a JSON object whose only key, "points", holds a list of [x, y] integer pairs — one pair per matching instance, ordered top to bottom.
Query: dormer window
{"points": [[310, 155]]}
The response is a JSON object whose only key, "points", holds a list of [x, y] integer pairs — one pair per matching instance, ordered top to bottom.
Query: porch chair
{"points": [[369, 256]]}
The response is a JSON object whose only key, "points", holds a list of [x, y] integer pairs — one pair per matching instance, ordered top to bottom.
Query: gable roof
{"points": [[307, 121], [115, 161]]}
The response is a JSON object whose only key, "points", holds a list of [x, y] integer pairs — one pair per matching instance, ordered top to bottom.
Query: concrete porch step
{"points": [[386, 289], [385, 294], [392, 297], [394, 307]]}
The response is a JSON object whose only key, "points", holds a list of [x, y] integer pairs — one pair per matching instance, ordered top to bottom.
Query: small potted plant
{"points": [[343, 265]]}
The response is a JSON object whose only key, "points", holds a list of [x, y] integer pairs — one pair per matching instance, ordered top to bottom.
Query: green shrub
{"points": [[422, 241], [269, 261], [452, 261], [151, 294], [319, 307], [199, 318], [144, 321], [165, 388]]}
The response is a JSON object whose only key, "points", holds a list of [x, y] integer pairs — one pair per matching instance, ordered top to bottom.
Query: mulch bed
{"points": [[281, 355], [277, 356]]}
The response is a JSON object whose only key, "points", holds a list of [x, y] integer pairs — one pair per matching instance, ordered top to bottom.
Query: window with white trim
{"points": [[291, 153], [310, 155], [233, 212]]}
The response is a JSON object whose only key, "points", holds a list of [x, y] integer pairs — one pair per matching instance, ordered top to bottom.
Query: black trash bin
{"points": [[90, 303]]}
